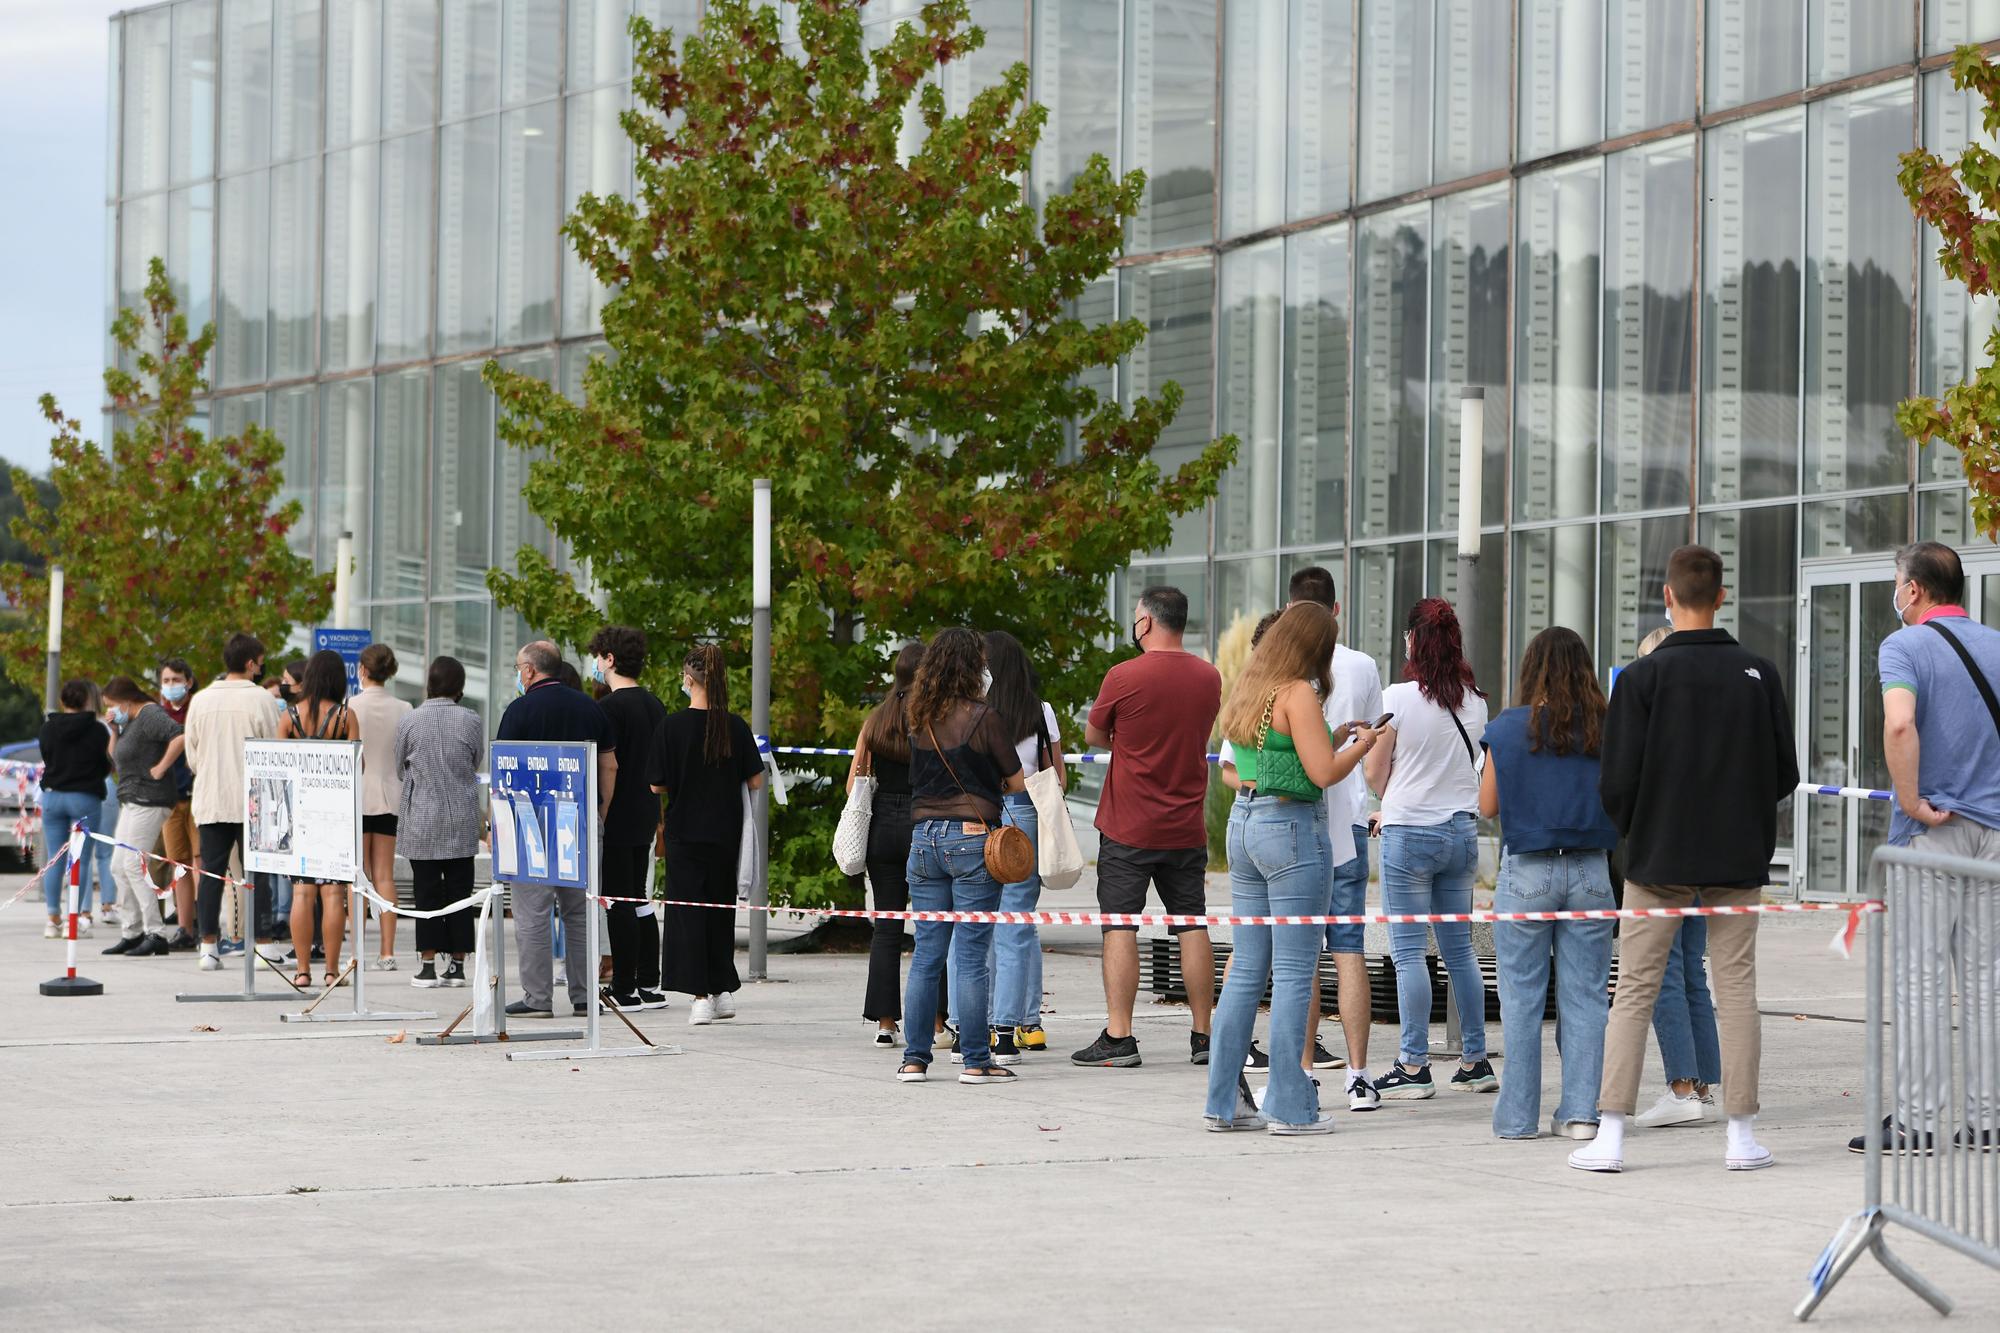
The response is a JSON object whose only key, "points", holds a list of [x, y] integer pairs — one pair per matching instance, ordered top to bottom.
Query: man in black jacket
{"points": [[1697, 758]]}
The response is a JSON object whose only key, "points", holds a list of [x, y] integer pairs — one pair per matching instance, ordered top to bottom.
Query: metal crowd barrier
{"points": [[1933, 1028]]}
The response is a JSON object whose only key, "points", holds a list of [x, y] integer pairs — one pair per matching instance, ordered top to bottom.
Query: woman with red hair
{"points": [[1426, 766]]}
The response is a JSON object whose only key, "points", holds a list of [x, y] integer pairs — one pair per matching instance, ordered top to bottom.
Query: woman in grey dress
{"points": [[439, 747]]}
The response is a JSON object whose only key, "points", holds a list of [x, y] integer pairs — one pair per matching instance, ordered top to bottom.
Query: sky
{"points": [[53, 99]]}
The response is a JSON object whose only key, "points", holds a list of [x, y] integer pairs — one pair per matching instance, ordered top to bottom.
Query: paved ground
{"points": [[268, 1176]]}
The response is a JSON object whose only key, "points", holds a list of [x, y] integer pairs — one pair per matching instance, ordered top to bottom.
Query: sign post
{"points": [[348, 643], [544, 797]]}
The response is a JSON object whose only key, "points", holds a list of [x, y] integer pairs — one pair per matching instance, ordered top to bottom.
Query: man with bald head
{"points": [[548, 710]]}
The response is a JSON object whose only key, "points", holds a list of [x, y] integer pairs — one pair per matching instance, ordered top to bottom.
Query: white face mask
{"points": [[1896, 600], [985, 683]]}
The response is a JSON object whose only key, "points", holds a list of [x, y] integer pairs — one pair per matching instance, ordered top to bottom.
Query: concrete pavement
{"points": [[775, 1176]]}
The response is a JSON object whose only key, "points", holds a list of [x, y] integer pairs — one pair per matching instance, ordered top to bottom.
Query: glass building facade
{"points": [[1664, 236]]}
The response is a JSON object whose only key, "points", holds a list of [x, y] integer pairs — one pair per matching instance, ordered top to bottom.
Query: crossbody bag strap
{"points": [[1972, 669], [939, 751], [1471, 755]]}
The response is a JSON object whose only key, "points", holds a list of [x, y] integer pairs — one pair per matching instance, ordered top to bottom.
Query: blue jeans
{"points": [[60, 809], [105, 821], [1278, 855], [1429, 868], [948, 874], [1552, 882], [1350, 897], [281, 899], [1017, 950], [1684, 1015]]}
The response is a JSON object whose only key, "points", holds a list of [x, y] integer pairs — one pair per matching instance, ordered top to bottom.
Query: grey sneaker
{"points": [[1247, 1115]]}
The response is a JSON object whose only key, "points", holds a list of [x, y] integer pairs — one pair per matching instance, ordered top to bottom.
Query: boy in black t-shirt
{"points": [[618, 655]]}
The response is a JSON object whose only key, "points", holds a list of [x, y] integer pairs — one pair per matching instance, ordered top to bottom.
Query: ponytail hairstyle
{"points": [[1437, 655], [704, 664], [887, 731]]}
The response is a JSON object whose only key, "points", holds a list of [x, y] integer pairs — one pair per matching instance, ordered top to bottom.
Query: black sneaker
{"points": [[182, 942], [454, 974], [426, 977], [652, 999], [627, 1003], [523, 1009], [1198, 1048], [1005, 1052], [1109, 1052], [1256, 1059], [1325, 1059], [1479, 1078], [1400, 1085], [1361, 1094], [1897, 1138]]}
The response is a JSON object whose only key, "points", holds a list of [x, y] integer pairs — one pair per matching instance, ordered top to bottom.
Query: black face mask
{"points": [[1138, 636], [258, 677]]}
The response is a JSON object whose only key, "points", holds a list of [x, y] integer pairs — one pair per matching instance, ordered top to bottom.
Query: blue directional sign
{"points": [[348, 643], [544, 796]]}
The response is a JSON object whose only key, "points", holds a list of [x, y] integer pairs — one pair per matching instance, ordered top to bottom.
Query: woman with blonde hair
{"points": [[1281, 852]]}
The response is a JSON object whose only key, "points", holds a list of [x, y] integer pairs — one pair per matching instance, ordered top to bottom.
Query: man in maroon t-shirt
{"points": [[1155, 713]]}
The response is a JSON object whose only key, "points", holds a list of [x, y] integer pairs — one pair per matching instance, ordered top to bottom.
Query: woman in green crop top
{"points": [[1280, 863]]}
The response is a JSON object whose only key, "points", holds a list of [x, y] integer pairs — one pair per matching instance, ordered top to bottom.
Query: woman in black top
{"points": [[617, 656], [319, 712], [149, 744], [883, 748], [76, 758], [701, 758], [962, 761]]}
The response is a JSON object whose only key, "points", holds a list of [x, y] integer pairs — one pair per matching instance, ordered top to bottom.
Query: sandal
{"points": [[302, 980], [332, 980], [913, 1072], [986, 1074]]}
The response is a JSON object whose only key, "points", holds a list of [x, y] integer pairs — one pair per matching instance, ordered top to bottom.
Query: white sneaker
{"points": [[109, 916], [83, 927], [52, 931], [273, 952], [210, 960], [383, 963], [725, 1005], [702, 1013], [1361, 1095], [1671, 1109], [1319, 1124], [1754, 1157], [1594, 1159]]}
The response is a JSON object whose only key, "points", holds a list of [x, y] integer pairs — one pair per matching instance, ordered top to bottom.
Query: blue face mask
{"points": [[597, 672], [519, 686], [175, 692], [117, 716]]}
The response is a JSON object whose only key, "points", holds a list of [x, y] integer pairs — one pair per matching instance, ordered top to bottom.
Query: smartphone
{"points": [[1376, 725]]}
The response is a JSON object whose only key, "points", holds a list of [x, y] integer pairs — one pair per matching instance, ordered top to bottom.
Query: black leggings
{"points": [[889, 877], [438, 884]]}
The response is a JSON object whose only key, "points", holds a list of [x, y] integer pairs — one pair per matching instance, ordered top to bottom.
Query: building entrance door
{"points": [[1846, 609]]}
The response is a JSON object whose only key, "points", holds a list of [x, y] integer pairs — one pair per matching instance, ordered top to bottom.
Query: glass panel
{"points": [[1951, 23], [1005, 25], [1856, 36], [1472, 43], [530, 49], [599, 50], [1322, 50], [1754, 51], [1649, 56], [471, 57], [1395, 58], [114, 63], [409, 65], [295, 71], [353, 71], [1077, 73], [246, 83], [194, 91], [148, 98], [1561, 99], [1255, 108], [1170, 120], [599, 162], [468, 205], [294, 217], [529, 224], [143, 234], [190, 252], [245, 272], [1857, 292], [1175, 302], [405, 305], [109, 307], [1096, 307], [1955, 325], [347, 327], [1648, 327], [1750, 330], [1391, 335], [1468, 344], [576, 360], [1250, 395], [236, 411], [292, 412], [347, 412], [1313, 446], [1555, 452], [402, 466], [462, 475], [1944, 515], [1858, 524], [515, 525], [1760, 563], [1188, 578], [1631, 579], [1388, 581], [1554, 582], [1247, 589], [1989, 601], [1878, 619], [402, 628], [461, 630], [1486, 649], [1827, 665]]}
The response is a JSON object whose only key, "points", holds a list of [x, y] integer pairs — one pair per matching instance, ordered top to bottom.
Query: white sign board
{"points": [[302, 809]]}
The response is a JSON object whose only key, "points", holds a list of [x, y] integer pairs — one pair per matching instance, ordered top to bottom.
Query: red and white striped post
{"points": [[70, 983]]}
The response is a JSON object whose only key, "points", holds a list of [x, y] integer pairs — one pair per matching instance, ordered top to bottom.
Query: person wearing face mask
{"points": [[617, 656], [379, 712], [221, 717], [148, 749], [75, 763], [105, 820], [177, 833]]}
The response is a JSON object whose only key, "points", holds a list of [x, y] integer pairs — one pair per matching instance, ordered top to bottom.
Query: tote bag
{"points": [[850, 835], [1058, 858]]}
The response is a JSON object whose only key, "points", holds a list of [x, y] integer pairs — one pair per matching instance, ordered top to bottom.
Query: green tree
{"points": [[1961, 199], [888, 337], [168, 540]]}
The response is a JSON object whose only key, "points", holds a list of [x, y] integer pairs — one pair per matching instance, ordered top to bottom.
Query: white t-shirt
{"points": [[1357, 697], [1030, 749], [1431, 776]]}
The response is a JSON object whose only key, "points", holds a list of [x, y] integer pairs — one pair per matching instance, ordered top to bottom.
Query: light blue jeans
{"points": [[60, 809], [106, 821], [1279, 865], [1429, 868], [947, 873], [1552, 882], [1017, 950], [1684, 1015]]}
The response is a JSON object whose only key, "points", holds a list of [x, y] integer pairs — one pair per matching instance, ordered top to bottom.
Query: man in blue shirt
{"points": [[548, 710], [1941, 736]]}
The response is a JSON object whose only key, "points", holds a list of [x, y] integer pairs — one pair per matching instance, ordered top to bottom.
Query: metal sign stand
{"points": [[496, 925], [251, 957]]}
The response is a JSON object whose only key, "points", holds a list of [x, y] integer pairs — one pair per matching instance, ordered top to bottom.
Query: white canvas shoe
{"points": [[725, 1005], [702, 1012], [1671, 1109]]}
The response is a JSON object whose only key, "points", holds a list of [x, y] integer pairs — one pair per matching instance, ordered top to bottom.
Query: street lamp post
{"points": [[1471, 461], [53, 683], [760, 715]]}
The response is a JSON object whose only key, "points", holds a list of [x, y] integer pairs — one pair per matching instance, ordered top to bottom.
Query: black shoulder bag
{"points": [[1971, 669]]}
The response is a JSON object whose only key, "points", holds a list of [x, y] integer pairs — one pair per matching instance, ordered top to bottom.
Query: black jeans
{"points": [[217, 842], [889, 877], [438, 884], [635, 939], [698, 944]]}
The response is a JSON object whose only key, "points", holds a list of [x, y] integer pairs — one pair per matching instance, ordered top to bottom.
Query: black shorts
{"points": [[385, 824], [1124, 872]]}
